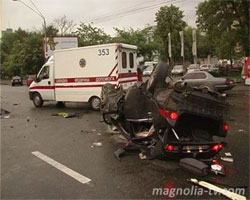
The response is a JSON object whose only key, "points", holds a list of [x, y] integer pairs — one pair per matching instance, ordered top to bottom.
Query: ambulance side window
{"points": [[124, 60], [131, 60], [44, 74]]}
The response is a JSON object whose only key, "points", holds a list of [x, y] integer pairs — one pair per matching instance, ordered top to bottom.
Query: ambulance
{"points": [[78, 74]]}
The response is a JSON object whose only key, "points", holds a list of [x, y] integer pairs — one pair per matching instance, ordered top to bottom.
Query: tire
{"points": [[157, 78], [13, 84], [206, 87], [37, 100], [95, 103], [60, 104], [107, 119]]}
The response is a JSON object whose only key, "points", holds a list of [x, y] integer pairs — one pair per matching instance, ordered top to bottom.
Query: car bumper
{"points": [[224, 87], [194, 150]]}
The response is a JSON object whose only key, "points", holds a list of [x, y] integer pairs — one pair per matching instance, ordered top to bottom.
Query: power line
{"points": [[128, 10], [117, 11], [134, 11]]}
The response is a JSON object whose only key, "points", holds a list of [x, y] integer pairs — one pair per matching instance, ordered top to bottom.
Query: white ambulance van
{"points": [[78, 74]]}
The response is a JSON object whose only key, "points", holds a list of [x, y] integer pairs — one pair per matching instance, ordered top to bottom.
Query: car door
{"points": [[127, 72], [195, 79], [45, 83]]}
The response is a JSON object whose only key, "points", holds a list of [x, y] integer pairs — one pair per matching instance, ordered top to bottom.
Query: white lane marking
{"points": [[64, 169]]}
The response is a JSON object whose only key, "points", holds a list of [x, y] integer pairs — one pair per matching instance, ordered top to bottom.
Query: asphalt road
{"points": [[69, 140]]}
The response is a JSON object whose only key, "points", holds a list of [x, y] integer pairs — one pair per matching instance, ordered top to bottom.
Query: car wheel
{"points": [[157, 78], [13, 84], [207, 87], [37, 100], [95, 103], [60, 104], [107, 119]]}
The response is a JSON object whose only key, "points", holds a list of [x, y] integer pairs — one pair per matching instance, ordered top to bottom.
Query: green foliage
{"points": [[170, 20], [226, 24], [51, 31], [89, 35], [9, 39], [147, 46], [22, 54]]}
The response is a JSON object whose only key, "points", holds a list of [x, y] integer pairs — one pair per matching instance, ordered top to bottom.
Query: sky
{"points": [[110, 13]]}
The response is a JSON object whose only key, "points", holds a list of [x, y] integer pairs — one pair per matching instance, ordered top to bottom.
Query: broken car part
{"points": [[227, 159], [194, 166], [224, 192]]}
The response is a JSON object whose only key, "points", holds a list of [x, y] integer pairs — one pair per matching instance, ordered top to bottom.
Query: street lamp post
{"points": [[36, 10]]}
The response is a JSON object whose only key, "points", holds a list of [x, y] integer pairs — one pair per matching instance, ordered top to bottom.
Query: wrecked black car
{"points": [[167, 119]]}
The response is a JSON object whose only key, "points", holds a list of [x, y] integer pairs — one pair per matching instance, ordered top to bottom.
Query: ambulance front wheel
{"points": [[37, 100], [95, 103]]}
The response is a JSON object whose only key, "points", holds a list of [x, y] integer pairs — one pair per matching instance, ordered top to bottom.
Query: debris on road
{"points": [[15, 104], [4, 114], [63, 114], [67, 115], [73, 115], [28, 119], [232, 119], [114, 128], [94, 130], [241, 130], [99, 134], [96, 144], [119, 152], [228, 154], [142, 156], [227, 159], [194, 166], [218, 169], [225, 192]]}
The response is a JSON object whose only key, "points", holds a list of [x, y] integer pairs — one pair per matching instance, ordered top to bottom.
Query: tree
{"points": [[169, 19], [226, 24], [63, 25], [51, 30], [89, 35], [9, 39], [143, 39], [24, 57]]}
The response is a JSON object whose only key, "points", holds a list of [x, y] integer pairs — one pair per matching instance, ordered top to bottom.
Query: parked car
{"points": [[193, 67], [205, 67], [214, 68], [178, 70], [148, 71], [30, 79], [205, 79], [16, 80]]}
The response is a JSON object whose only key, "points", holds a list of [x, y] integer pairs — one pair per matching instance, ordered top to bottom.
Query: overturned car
{"points": [[167, 119]]}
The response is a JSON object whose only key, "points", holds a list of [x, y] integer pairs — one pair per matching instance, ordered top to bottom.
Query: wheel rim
{"points": [[37, 100], [96, 103]]}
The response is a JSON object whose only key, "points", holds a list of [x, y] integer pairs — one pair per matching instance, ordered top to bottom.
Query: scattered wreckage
{"points": [[166, 119]]}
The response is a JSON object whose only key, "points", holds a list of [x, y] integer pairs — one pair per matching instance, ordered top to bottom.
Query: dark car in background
{"points": [[30, 79], [205, 79], [16, 80]]}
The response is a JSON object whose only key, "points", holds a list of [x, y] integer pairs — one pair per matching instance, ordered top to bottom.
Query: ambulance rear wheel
{"points": [[37, 100], [95, 103]]}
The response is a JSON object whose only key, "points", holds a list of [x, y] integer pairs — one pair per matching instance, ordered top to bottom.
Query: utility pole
{"points": [[182, 46], [194, 47], [169, 50]]}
